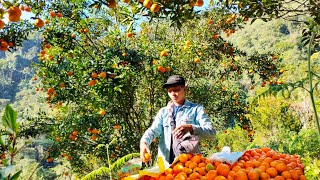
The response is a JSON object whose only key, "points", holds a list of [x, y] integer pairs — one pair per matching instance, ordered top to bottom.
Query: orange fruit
{"points": [[125, 1], [111, 3], [147, 3], [199, 3], [155, 7], [27, 9], [14, 14], [52, 14], [59, 15], [39, 23], [1, 24], [86, 30], [129, 34], [10, 44], [47, 46], [164, 53], [197, 60], [161, 69], [94, 75], [103, 75], [92, 82], [50, 91], [102, 112], [117, 127], [94, 131], [75, 133], [72, 137], [93, 137], [58, 139], [147, 156], [276, 156], [183, 158], [196, 158], [50, 159], [268, 160], [187, 163], [274, 163], [201, 164], [248, 164], [193, 165], [281, 167], [178, 168], [236, 168], [223, 169], [187, 170], [168, 171], [202, 171], [299, 171], [272, 172], [211, 174], [253, 174], [286, 174], [294, 174], [181, 175], [240, 175], [194, 176], [264, 176], [169, 177], [302, 177], [220, 178], [279, 178]]}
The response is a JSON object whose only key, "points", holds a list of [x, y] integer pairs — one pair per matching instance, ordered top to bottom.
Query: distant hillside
{"points": [[15, 68]]}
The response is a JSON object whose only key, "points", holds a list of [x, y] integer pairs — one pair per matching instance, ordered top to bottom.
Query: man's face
{"points": [[177, 93]]}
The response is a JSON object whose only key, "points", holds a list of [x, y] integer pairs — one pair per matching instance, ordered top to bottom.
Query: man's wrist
{"points": [[190, 128]]}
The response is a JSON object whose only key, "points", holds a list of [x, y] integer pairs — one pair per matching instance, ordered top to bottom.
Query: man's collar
{"points": [[186, 103]]}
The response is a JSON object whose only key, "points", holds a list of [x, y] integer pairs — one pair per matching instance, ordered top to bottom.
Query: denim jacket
{"points": [[189, 113]]}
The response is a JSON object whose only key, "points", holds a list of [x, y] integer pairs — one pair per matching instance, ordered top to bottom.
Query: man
{"points": [[174, 121]]}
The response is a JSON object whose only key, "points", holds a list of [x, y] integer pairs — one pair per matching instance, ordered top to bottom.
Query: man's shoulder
{"points": [[192, 104], [163, 109]]}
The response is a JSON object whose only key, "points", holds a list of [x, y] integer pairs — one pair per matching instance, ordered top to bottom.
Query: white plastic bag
{"points": [[226, 156]]}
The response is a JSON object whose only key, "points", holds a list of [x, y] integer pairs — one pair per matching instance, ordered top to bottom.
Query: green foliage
{"points": [[131, 93], [271, 114], [237, 139], [8, 142], [113, 168]]}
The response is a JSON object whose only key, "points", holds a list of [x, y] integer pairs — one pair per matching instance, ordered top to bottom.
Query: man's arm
{"points": [[205, 129], [155, 130]]}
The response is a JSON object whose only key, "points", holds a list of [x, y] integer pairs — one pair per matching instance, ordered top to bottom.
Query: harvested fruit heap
{"points": [[255, 164]]}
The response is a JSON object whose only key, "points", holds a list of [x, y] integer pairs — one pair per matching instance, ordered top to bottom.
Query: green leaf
{"points": [[9, 120], [3, 140], [115, 166], [16, 176]]}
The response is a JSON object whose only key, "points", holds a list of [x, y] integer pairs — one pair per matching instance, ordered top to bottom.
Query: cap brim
{"points": [[170, 84]]}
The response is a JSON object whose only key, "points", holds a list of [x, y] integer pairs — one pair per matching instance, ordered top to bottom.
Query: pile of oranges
{"points": [[255, 164]]}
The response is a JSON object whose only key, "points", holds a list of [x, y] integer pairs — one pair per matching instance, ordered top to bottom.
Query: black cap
{"points": [[174, 80]]}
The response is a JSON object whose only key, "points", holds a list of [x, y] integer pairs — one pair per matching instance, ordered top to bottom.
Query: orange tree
{"points": [[103, 70], [106, 81]]}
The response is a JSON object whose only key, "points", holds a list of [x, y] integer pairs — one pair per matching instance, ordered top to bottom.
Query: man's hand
{"points": [[180, 131], [143, 150]]}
